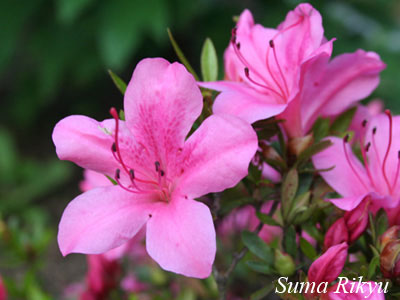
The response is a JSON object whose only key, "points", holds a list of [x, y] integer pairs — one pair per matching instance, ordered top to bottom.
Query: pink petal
{"points": [[333, 87], [239, 100], [161, 102], [86, 142], [217, 155], [93, 179], [348, 180], [348, 203], [102, 219], [181, 237]]}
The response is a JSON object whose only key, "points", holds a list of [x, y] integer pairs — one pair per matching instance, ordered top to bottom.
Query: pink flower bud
{"points": [[357, 220], [336, 234], [329, 265], [3, 291]]}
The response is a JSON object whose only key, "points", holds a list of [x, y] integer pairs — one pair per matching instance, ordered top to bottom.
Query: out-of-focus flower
{"points": [[288, 71], [158, 173], [377, 178], [357, 220], [392, 234], [329, 265], [350, 290], [3, 291]]}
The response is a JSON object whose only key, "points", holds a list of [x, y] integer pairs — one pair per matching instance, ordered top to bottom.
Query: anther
{"points": [[271, 43], [238, 46], [247, 72], [364, 123], [374, 130], [346, 138], [367, 146], [113, 148], [157, 164], [117, 173], [162, 173], [131, 174]]}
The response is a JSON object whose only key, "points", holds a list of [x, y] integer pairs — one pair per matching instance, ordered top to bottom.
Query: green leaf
{"points": [[181, 56], [209, 61], [119, 83], [342, 122], [320, 128], [311, 151], [289, 190], [266, 219], [381, 222], [289, 241], [257, 246], [307, 249], [373, 265], [260, 267], [262, 293]]}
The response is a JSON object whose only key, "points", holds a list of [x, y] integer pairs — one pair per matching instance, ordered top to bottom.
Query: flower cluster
{"points": [[313, 170]]}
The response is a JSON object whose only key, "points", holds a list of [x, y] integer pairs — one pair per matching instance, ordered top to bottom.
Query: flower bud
{"points": [[298, 144], [357, 220], [393, 233], [336, 234], [390, 259], [284, 263], [329, 265], [3, 291]]}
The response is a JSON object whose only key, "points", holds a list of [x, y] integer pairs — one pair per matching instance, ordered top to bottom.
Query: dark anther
{"points": [[234, 29], [271, 43], [238, 46], [246, 72], [364, 123], [374, 130], [346, 138], [367, 147], [114, 148], [398, 154], [157, 164], [117, 173], [162, 173], [131, 174], [150, 215]]}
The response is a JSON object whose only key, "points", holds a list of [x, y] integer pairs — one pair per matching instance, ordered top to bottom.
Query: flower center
{"points": [[158, 183]]}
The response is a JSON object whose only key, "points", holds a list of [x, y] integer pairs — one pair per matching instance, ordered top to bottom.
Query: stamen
{"points": [[272, 45], [247, 73], [284, 96], [387, 112], [364, 123], [345, 141], [115, 145], [364, 151], [378, 159], [157, 164], [117, 179]]}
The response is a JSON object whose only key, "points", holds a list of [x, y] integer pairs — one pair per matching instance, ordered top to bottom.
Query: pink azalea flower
{"points": [[287, 71], [158, 173], [376, 177], [336, 234], [352, 290]]}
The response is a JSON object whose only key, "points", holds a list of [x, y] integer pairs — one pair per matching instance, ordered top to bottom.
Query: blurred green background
{"points": [[54, 57]]}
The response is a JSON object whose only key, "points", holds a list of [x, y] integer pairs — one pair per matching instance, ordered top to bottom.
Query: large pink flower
{"points": [[269, 71], [158, 173], [377, 176]]}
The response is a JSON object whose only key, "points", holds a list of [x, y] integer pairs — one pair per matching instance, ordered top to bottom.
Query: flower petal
{"points": [[331, 88], [239, 100], [161, 102], [87, 143], [217, 155], [349, 180], [348, 203], [102, 219], [181, 237]]}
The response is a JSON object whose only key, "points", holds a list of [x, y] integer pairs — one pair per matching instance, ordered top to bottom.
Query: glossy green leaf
{"points": [[268, 220], [257, 246], [307, 249]]}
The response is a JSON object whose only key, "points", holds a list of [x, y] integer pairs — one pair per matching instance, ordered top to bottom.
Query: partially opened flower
{"points": [[263, 65], [287, 72], [159, 173], [376, 177]]}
